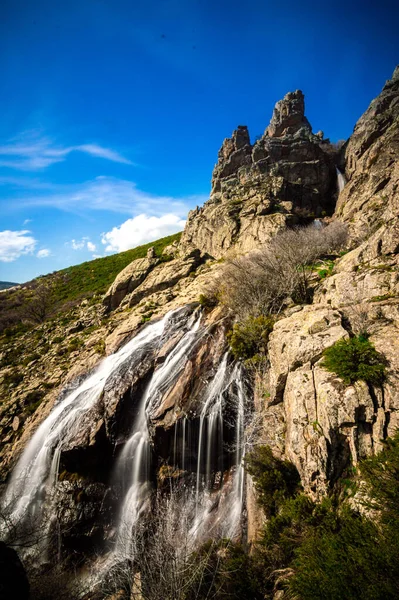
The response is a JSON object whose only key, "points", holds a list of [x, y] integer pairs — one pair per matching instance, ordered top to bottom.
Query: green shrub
{"points": [[207, 301], [249, 337], [75, 344], [100, 347], [30, 358], [355, 359], [13, 377], [33, 400], [275, 479], [329, 550], [344, 558], [227, 571]]}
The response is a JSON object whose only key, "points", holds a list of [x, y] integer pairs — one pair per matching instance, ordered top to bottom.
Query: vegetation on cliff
{"points": [[330, 549]]}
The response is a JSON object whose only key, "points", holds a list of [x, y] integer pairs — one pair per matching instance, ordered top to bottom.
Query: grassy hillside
{"points": [[95, 276], [73, 284]]}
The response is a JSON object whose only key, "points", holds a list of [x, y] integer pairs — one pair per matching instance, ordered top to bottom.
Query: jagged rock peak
{"points": [[396, 73], [289, 116], [238, 140]]}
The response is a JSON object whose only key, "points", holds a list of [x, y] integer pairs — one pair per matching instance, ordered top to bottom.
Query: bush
{"points": [[261, 282], [249, 337], [355, 359], [13, 377], [33, 400], [275, 479], [345, 559]]}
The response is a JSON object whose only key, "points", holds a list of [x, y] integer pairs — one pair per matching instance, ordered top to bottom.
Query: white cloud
{"points": [[30, 151], [27, 221], [139, 230], [14, 244], [78, 244], [91, 247], [43, 253], [97, 255]]}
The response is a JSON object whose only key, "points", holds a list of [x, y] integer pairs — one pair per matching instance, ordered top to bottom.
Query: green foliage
{"points": [[327, 270], [206, 301], [250, 336], [74, 344], [100, 347], [355, 359], [13, 377], [33, 400], [381, 473], [275, 479], [330, 550], [344, 558], [229, 573]]}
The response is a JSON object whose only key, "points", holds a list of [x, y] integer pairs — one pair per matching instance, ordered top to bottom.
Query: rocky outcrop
{"points": [[289, 117], [283, 178], [370, 197], [129, 279]]}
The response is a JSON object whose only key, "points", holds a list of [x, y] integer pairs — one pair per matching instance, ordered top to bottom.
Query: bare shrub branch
{"points": [[260, 283]]}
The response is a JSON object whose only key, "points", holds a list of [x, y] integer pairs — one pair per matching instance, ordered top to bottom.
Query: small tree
{"points": [[40, 306]]}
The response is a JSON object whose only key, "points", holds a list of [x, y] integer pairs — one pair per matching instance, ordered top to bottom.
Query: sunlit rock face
{"points": [[286, 177], [370, 197]]}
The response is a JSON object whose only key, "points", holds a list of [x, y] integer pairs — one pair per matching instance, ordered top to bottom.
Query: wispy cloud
{"points": [[31, 151], [108, 194], [84, 243], [14, 244], [43, 253]]}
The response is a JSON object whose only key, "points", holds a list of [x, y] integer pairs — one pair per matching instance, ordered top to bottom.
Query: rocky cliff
{"points": [[287, 177], [308, 414]]}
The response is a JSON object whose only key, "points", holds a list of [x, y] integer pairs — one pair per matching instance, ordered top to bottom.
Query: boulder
{"points": [[129, 279]]}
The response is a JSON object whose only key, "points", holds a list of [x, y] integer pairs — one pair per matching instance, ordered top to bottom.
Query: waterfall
{"points": [[341, 181], [210, 446], [136, 455], [36, 472], [209, 476]]}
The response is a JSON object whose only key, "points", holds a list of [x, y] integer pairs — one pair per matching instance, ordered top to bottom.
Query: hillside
{"points": [[6, 284], [73, 284], [218, 417]]}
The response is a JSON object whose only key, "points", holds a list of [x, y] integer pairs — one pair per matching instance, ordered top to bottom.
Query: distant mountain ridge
{"points": [[4, 285]]}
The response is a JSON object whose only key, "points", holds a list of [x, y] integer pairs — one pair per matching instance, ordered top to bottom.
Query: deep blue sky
{"points": [[112, 112]]}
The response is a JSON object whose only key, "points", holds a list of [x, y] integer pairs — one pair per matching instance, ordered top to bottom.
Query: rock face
{"points": [[257, 189], [370, 197], [128, 280], [309, 415]]}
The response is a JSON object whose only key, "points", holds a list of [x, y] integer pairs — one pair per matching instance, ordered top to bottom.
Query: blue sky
{"points": [[112, 113]]}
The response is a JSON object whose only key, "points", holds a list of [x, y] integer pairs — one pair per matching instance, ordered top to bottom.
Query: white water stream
{"points": [[341, 180], [35, 474], [215, 499]]}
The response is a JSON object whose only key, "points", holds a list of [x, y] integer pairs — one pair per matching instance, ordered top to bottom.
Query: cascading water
{"points": [[341, 181], [133, 466], [35, 474], [211, 497]]}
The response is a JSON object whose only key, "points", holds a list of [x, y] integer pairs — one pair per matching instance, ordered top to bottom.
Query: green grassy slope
{"points": [[95, 276], [73, 284]]}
